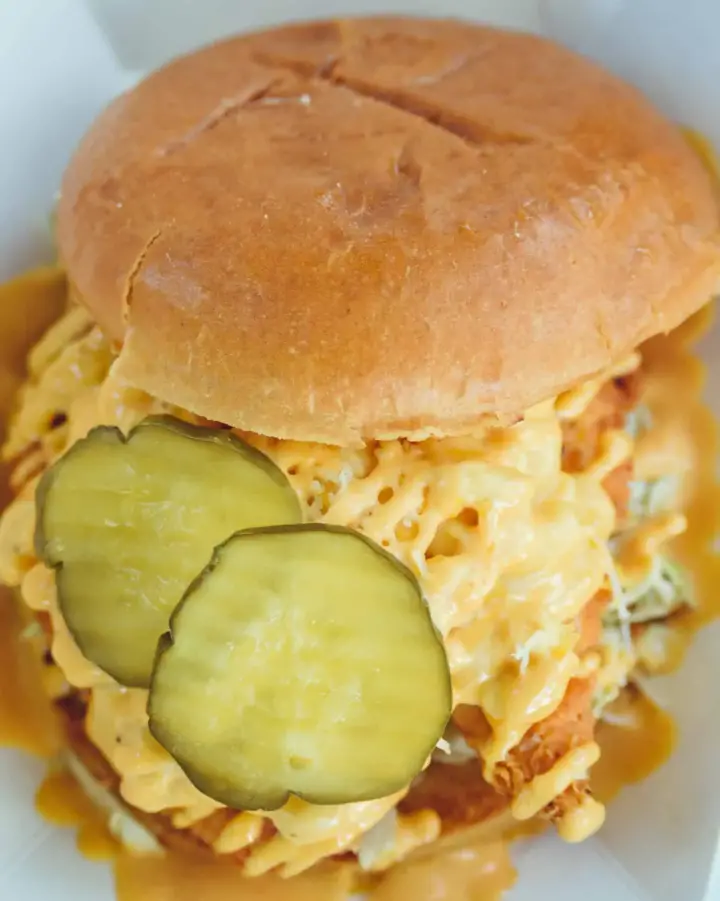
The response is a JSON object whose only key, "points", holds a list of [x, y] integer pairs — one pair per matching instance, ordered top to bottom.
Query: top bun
{"points": [[369, 228]]}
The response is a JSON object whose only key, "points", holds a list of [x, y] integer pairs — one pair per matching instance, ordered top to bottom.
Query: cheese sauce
{"points": [[28, 305], [392, 510], [507, 547], [27, 720], [476, 871]]}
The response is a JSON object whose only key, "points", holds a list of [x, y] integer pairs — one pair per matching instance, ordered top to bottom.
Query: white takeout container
{"points": [[60, 61]]}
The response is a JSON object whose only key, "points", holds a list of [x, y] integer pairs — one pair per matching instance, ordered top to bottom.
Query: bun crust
{"points": [[368, 228]]}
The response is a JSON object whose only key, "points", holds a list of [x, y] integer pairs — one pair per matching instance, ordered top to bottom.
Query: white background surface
{"points": [[60, 60]]}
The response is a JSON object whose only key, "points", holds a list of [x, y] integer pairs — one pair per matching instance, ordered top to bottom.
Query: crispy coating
{"points": [[608, 410], [571, 725], [457, 792]]}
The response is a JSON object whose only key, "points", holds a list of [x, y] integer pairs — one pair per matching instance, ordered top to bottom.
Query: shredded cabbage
{"points": [[638, 421], [654, 496], [666, 589], [456, 750], [377, 841]]}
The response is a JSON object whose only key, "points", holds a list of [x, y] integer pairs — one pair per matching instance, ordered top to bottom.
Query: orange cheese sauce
{"points": [[28, 305], [26, 715], [638, 742], [60, 802], [476, 871], [479, 871]]}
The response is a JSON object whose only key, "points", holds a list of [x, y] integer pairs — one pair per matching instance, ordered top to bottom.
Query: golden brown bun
{"points": [[367, 228]]}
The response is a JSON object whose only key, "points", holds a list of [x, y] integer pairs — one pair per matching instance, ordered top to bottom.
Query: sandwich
{"points": [[348, 487]]}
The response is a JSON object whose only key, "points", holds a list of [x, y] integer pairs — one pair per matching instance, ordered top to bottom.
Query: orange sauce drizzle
{"points": [[28, 305], [26, 716], [645, 736], [639, 740], [60, 802], [479, 871], [482, 872], [174, 879]]}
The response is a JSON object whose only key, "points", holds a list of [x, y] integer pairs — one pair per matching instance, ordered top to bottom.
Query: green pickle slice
{"points": [[129, 523], [302, 661]]}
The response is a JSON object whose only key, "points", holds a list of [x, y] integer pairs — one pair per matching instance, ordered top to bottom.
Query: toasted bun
{"points": [[368, 228]]}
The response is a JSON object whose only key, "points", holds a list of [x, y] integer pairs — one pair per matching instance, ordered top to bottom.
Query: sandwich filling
{"points": [[542, 551]]}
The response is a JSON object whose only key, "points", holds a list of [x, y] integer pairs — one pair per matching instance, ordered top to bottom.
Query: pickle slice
{"points": [[128, 524], [302, 661]]}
